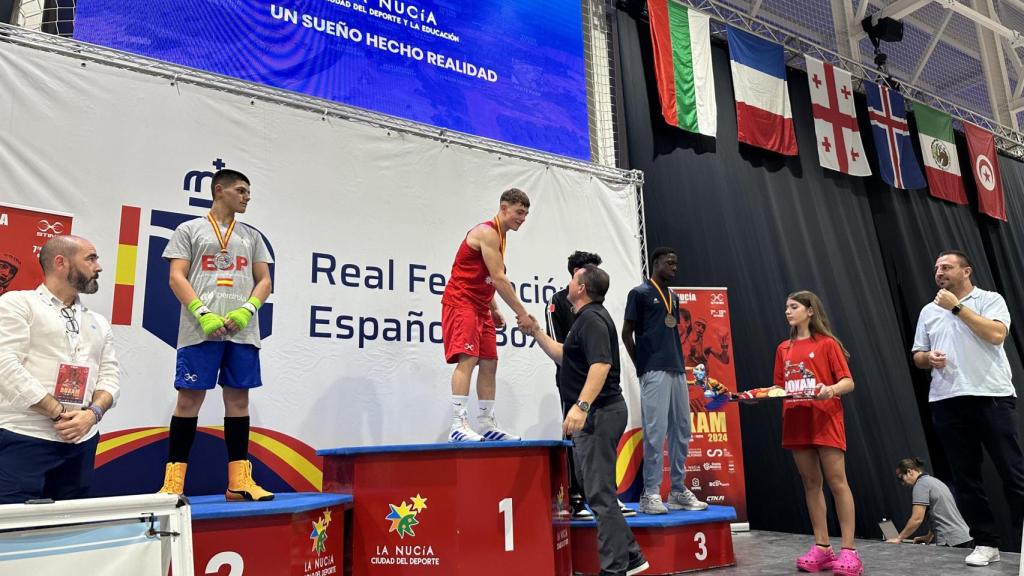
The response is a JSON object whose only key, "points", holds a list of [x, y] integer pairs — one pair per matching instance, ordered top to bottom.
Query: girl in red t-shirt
{"points": [[813, 359]]}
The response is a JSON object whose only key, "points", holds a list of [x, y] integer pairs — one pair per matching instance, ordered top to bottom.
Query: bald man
{"points": [[58, 377]]}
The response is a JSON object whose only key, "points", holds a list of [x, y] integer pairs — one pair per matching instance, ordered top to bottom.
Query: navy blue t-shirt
{"points": [[657, 346]]}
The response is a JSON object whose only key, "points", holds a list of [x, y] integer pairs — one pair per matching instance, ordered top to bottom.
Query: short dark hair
{"points": [[226, 177], [515, 196], [63, 245], [660, 252], [580, 259], [965, 262], [596, 282], [908, 464]]}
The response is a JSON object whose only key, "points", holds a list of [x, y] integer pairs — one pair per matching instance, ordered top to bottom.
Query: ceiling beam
{"points": [[755, 8], [897, 11], [842, 17], [931, 47], [993, 64]]}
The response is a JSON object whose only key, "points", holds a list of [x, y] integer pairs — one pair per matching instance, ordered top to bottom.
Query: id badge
{"points": [[72, 381]]}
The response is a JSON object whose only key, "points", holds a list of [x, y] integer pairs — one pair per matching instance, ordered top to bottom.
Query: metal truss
{"points": [[326, 109], [1007, 139]]}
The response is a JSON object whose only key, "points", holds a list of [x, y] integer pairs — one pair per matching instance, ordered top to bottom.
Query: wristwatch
{"points": [[956, 309], [583, 405]]}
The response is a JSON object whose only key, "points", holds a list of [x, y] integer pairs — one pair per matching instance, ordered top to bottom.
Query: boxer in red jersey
{"points": [[470, 316]]}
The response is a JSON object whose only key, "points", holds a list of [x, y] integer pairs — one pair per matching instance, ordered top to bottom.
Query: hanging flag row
{"points": [[686, 87]]}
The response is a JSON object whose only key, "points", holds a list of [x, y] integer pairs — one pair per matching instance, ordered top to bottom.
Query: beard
{"points": [[82, 283]]}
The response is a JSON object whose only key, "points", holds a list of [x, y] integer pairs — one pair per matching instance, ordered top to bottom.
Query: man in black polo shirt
{"points": [[652, 317], [557, 321], [589, 379]]}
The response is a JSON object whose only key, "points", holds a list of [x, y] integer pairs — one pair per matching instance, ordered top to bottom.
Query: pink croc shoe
{"points": [[816, 560], [848, 563]]}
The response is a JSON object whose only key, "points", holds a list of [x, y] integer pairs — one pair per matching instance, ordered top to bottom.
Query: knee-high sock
{"points": [[236, 437], [180, 438]]}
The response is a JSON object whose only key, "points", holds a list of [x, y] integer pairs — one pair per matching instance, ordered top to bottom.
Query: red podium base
{"points": [[455, 509], [292, 535], [673, 543]]}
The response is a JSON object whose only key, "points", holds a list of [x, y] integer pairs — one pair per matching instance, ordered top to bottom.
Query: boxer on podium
{"points": [[220, 272], [470, 317]]}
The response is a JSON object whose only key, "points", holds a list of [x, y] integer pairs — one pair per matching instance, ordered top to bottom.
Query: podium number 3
{"points": [[505, 508], [702, 548]]}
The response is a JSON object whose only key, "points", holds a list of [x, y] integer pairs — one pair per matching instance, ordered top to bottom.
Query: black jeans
{"points": [[966, 424], [595, 458], [575, 485]]}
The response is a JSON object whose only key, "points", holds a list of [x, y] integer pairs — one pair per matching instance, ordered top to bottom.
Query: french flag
{"points": [[763, 116]]}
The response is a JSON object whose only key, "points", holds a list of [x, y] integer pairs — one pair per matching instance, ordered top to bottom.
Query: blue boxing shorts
{"points": [[198, 366]]}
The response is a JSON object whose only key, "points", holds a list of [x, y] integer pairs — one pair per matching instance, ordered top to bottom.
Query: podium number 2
{"points": [[505, 508], [701, 541], [233, 560]]}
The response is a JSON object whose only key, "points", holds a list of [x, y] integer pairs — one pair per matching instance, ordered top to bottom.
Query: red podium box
{"points": [[496, 508], [299, 534], [673, 543]]}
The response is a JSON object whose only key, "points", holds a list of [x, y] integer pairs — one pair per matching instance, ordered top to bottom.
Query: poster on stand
{"points": [[23, 231]]}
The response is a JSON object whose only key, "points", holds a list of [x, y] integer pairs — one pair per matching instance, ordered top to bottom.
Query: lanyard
{"points": [[501, 236], [668, 301]]}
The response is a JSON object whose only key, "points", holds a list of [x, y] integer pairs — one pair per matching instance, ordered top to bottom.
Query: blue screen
{"points": [[509, 70]]}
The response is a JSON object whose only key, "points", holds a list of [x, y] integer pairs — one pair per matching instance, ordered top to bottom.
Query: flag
{"points": [[682, 64], [763, 116], [835, 119], [981, 145], [941, 163], [897, 164]]}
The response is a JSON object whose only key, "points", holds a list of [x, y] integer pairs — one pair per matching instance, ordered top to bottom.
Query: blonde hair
{"points": [[819, 324]]}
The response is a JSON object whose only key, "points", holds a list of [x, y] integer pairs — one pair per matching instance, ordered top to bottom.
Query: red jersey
{"points": [[470, 282], [802, 364]]}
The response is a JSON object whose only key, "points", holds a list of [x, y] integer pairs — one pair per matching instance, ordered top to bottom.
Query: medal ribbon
{"points": [[501, 237], [222, 238], [667, 301]]}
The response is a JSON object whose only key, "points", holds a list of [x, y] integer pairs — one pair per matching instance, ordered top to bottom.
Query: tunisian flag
{"points": [[835, 119], [981, 145]]}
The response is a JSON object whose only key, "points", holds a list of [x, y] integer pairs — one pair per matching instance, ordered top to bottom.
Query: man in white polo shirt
{"points": [[973, 403]]}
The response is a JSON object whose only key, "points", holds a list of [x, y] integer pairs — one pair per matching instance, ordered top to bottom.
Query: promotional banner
{"points": [[509, 71], [363, 223], [23, 231], [714, 465], [96, 549]]}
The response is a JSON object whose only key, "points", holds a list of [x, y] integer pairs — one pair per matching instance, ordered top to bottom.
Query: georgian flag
{"points": [[835, 119]]}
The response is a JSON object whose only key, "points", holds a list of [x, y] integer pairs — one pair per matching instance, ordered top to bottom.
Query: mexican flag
{"points": [[682, 64], [941, 163]]}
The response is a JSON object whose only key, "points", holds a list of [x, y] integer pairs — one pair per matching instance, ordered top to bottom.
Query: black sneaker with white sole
{"points": [[637, 564]]}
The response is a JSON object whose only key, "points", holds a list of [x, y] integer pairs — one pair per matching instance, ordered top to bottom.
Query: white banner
{"points": [[363, 222], [95, 549]]}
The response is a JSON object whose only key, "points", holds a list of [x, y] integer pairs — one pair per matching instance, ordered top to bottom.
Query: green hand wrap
{"points": [[241, 316], [208, 321]]}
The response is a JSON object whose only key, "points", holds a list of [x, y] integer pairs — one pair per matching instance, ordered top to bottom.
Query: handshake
{"points": [[215, 325], [528, 325]]}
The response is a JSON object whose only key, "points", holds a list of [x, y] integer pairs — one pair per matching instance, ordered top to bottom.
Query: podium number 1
{"points": [[505, 508]]}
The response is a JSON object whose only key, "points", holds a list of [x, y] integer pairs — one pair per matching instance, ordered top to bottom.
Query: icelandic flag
{"points": [[763, 116], [897, 164]]}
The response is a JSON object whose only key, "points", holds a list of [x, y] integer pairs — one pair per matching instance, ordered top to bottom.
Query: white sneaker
{"points": [[461, 432], [491, 432], [684, 500], [652, 505], [626, 510], [982, 556]]}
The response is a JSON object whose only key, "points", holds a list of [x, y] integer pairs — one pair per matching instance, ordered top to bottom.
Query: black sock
{"points": [[236, 437], [180, 438]]}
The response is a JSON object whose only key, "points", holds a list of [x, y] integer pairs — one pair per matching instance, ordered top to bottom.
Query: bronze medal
{"points": [[671, 321]]}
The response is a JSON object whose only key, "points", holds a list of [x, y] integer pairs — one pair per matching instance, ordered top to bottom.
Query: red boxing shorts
{"points": [[466, 331]]}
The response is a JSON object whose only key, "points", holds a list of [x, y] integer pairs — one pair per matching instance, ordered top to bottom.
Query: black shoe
{"points": [[580, 510], [626, 510], [637, 564]]}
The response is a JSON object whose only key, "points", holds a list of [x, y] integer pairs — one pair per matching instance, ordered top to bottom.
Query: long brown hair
{"points": [[819, 324]]}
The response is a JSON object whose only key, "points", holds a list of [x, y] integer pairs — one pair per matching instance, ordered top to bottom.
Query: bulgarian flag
{"points": [[682, 64], [941, 163]]}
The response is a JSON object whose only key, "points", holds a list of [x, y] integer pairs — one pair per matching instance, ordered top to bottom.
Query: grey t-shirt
{"points": [[221, 290], [944, 517]]}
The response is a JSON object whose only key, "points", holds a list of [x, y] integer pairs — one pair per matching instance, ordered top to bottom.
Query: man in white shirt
{"points": [[960, 338], [58, 377]]}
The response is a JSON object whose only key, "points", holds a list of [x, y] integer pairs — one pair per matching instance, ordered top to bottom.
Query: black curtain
{"points": [[764, 226]]}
